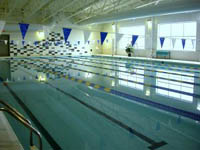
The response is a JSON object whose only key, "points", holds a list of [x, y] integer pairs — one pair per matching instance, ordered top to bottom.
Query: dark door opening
{"points": [[4, 45]]}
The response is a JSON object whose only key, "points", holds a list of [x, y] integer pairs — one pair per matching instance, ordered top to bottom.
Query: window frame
{"points": [[129, 36], [177, 37]]}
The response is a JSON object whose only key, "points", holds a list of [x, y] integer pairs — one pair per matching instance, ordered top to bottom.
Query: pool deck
{"points": [[152, 59], [8, 139]]}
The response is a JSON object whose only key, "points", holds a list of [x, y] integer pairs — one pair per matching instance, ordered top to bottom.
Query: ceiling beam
{"points": [[35, 6], [108, 9], [59, 10], [80, 10]]}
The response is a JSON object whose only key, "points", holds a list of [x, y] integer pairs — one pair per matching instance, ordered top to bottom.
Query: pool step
{"points": [[8, 139]]}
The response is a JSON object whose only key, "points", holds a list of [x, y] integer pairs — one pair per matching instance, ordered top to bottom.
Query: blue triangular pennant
{"points": [[23, 28], [66, 32], [103, 36], [134, 39], [162, 39], [98, 41], [23, 42], [79, 42], [88, 42], [36, 43], [183, 43]]}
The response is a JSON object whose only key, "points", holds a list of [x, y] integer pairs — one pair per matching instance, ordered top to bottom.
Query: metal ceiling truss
{"points": [[111, 6], [74, 11]]}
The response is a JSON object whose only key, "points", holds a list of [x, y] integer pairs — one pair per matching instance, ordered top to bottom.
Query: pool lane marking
{"points": [[146, 61], [153, 63], [139, 64], [155, 67], [138, 68], [112, 77], [197, 84], [171, 109], [44, 132], [154, 144]]}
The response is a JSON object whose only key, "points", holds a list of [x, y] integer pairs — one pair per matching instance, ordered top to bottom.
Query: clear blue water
{"points": [[87, 103]]}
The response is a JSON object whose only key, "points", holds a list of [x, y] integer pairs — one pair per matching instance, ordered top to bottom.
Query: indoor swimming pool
{"points": [[104, 103]]}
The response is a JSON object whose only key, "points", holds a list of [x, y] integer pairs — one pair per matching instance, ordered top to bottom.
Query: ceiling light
{"points": [[149, 24], [40, 35]]}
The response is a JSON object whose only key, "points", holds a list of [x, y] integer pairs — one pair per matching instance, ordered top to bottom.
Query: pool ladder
{"points": [[19, 117]]}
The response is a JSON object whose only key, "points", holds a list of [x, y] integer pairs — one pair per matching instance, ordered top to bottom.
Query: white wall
{"points": [[76, 35], [151, 36]]}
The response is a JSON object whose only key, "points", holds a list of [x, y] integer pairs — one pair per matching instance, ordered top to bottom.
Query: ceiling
{"points": [[73, 11], [76, 11]]}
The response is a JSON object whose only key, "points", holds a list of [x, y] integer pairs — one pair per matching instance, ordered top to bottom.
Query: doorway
{"points": [[4, 45]]}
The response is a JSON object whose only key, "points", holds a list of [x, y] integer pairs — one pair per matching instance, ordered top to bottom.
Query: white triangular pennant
{"points": [[2, 24], [46, 30], [86, 36], [119, 36], [173, 42], [193, 42]]}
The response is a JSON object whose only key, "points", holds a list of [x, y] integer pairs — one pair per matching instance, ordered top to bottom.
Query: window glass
{"points": [[177, 31], [127, 37]]}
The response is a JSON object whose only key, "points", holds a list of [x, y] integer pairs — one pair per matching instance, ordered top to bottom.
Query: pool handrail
{"points": [[19, 117]]}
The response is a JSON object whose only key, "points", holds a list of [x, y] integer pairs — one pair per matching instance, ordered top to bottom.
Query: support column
{"points": [[115, 40]]}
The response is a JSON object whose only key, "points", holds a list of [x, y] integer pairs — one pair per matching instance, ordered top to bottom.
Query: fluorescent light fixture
{"points": [[144, 5], [141, 6], [149, 24], [40, 34]]}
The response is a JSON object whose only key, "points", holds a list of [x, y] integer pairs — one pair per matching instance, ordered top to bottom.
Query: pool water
{"points": [[102, 103]]}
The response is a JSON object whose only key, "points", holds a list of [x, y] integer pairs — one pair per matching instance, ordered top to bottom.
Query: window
{"points": [[174, 33], [127, 36], [132, 77], [175, 85]]}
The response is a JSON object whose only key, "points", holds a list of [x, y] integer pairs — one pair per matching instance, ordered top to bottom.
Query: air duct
{"points": [[162, 8]]}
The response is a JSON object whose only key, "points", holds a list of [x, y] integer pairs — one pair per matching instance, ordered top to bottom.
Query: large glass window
{"points": [[174, 33], [127, 36]]}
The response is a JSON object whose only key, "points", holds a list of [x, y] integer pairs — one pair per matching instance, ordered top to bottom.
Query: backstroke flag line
{"points": [[23, 29], [66, 32], [86, 36], [103, 36], [119, 36], [134, 39], [162, 40], [173, 42], [193, 42], [183, 43]]}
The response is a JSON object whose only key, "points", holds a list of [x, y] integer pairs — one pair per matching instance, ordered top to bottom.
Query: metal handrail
{"points": [[19, 117]]}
